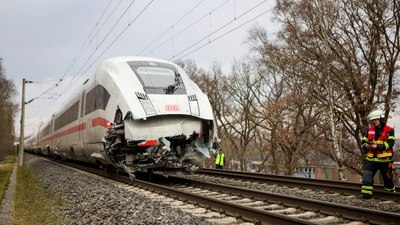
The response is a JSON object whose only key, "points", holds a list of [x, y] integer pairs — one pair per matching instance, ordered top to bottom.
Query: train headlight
{"points": [[146, 103]]}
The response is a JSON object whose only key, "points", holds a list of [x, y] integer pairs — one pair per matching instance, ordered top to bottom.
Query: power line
{"points": [[170, 27], [187, 27], [220, 28], [226, 33], [119, 35], [105, 37], [83, 47], [97, 47], [81, 50]]}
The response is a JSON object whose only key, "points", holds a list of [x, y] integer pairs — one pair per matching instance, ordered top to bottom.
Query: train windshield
{"points": [[159, 79]]}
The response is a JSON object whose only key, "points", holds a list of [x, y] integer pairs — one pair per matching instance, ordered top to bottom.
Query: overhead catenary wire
{"points": [[171, 27], [187, 27], [220, 28], [224, 34], [119, 35], [105, 37], [84, 45], [97, 47], [80, 51], [79, 75], [74, 78], [44, 92]]}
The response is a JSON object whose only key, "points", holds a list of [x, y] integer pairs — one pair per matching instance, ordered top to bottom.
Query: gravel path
{"points": [[90, 200]]}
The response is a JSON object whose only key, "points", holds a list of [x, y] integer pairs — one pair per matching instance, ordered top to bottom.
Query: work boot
{"points": [[364, 196]]}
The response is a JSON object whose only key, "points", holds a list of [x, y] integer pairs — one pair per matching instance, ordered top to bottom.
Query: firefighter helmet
{"points": [[376, 114]]}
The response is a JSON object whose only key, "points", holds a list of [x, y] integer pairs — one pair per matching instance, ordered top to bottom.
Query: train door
{"points": [[82, 124], [52, 141]]}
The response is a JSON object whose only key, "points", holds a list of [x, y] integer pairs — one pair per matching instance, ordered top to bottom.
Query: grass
{"points": [[6, 167], [32, 205]]}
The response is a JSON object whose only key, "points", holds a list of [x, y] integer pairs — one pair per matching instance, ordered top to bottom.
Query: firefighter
{"points": [[377, 146], [219, 159]]}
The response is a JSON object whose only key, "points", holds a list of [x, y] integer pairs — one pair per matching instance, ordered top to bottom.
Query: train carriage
{"points": [[137, 114]]}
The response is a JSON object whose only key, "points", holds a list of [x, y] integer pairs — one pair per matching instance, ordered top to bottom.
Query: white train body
{"points": [[135, 113]]}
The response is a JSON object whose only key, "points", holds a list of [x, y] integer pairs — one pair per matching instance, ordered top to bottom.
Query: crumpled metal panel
{"points": [[161, 127]]}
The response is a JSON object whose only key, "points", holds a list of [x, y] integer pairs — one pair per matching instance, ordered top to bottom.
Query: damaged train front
{"points": [[176, 131]]}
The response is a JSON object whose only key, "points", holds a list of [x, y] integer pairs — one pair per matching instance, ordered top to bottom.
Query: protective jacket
{"points": [[384, 139], [219, 160]]}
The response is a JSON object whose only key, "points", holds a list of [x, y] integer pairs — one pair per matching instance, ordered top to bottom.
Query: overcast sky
{"points": [[45, 40]]}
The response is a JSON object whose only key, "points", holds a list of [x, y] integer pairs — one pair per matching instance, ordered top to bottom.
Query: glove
{"points": [[390, 170]]}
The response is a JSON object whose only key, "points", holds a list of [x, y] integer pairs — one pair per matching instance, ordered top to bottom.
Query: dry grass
{"points": [[6, 167], [32, 205]]}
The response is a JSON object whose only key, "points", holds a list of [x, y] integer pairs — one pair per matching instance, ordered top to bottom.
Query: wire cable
{"points": [[170, 27], [187, 27], [220, 28], [226, 33], [119, 35], [105, 37], [83, 48], [106, 49]]}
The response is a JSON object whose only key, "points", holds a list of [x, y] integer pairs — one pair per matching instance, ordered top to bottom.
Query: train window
{"points": [[158, 78], [97, 98], [67, 117], [45, 131]]}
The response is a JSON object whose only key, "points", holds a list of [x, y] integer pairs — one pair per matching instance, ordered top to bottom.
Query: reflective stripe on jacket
{"points": [[379, 154], [219, 160]]}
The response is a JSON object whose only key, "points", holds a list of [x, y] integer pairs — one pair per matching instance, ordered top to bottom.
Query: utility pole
{"points": [[21, 137]]}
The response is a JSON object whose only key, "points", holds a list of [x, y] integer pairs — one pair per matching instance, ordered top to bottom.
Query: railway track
{"points": [[346, 188], [254, 206], [221, 207], [312, 211]]}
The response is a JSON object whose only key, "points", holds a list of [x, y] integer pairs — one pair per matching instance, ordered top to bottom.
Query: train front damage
{"points": [[172, 129]]}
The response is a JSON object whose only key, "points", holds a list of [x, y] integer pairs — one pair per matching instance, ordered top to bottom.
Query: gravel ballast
{"points": [[90, 200], [350, 200]]}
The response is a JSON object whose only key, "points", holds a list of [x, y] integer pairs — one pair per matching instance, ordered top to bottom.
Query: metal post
{"points": [[21, 136]]}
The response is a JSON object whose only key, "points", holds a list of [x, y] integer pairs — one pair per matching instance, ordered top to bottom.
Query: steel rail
{"points": [[350, 188], [235, 210], [345, 211]]}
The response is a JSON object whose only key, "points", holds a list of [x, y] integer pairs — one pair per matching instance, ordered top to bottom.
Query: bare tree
{"points": [[363, 39], [347, 51], [7, 110]]}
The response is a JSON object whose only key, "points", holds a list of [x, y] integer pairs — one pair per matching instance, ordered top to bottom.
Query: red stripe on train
{"points": [[99, 121], [71, 130]]}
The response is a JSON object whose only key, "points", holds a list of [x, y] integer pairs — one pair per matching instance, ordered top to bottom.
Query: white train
{"points": [[135, 113]]}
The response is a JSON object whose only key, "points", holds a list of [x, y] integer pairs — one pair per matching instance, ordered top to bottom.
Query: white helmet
{"points": [[376, 114]]}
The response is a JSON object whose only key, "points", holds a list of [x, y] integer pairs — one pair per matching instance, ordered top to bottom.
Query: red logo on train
{"points": [[174, 108]]}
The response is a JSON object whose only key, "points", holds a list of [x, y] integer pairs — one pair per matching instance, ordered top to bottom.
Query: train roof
{"points": [[135, 58]]}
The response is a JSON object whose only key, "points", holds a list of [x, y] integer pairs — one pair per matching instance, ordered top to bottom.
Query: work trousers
{"points": [[370, 169]]}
